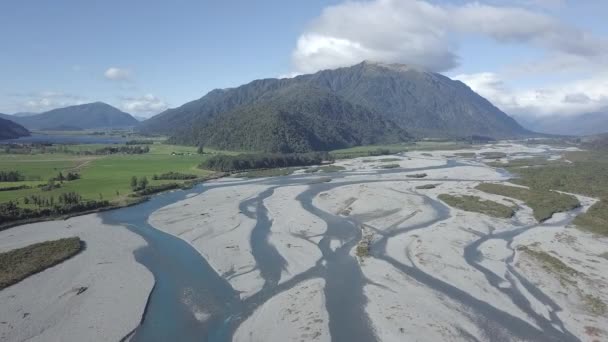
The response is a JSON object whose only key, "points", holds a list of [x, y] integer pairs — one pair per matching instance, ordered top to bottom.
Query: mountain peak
{"points": [[399, 67]]}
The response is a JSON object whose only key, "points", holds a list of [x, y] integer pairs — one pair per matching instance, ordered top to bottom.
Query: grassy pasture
{"points": [[102, 177]]}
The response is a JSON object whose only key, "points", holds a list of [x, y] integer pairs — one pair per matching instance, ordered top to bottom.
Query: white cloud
{"points": [[383, 30], [425, 34], [118, 74], [575, 97], [147, 104]]}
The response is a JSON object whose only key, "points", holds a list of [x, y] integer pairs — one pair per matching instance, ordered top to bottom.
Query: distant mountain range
{"points": [[363, 104], [20, 114], [95, 115], [581, 125], [11, 130]]}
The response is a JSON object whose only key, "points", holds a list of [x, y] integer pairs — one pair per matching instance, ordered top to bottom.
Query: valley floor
{"points": [[365, 254]]}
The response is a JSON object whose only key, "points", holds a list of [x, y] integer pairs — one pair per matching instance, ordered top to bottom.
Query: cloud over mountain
{"points": [[429, 33], [426, 34], [146, 104]]}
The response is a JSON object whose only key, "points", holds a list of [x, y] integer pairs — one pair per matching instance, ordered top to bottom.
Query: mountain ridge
{"points": [[422, 103], [93, 115], [574, 125], [11, 130]]}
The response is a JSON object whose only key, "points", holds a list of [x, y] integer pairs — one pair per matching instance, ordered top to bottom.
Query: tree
{"points": [[200, 149], [133, 182], [143, 183]]}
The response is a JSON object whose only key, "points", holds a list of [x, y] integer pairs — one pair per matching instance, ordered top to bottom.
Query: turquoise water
{"points": [[191, 302]]}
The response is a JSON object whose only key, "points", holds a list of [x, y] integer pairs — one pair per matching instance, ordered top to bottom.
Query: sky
{"points": [[528, 57]]}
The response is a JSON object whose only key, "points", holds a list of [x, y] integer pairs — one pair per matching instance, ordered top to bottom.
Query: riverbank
{"points": [[98, 295]]}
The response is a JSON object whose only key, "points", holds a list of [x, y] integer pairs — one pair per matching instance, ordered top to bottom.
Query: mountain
{"points": [[423, 103], [21, 114], [95, 115], [297, 118], [581, 125], [11, 130]]}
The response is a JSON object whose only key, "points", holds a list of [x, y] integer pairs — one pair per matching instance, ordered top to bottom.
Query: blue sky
{"points": [[145, 56]]}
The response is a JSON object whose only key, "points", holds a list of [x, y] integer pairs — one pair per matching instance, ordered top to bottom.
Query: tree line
{"points": [[139, 142], [122, 149], [227, 163], [11, 176], [174, 176], [69, 177], [11, 211]]}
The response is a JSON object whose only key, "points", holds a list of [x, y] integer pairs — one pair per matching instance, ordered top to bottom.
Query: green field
{"points": [[102, 177]]}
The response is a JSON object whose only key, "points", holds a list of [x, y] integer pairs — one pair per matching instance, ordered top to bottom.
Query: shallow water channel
{"points": [[191, 302]]}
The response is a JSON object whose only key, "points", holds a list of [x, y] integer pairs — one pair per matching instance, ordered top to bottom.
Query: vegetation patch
{"points": [[140, 142], [121, 149], [369, 151], [466, 154], [493, 155], [388, 160], [242, 162], [526, 163], [390, 166], [327, 168], [269, 172], [586, 174], [417, 175], [11, 176], [174, 176], [426, 186], [16, 187], [154, 189], [544, 203], [478, 205], [12, 212], [595, 220], [363, 247], [604, 255], [20, 263], [552, 264], [595, 305]]}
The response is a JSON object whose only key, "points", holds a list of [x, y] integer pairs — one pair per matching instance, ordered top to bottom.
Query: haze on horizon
{"points": [[528, 57]]}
